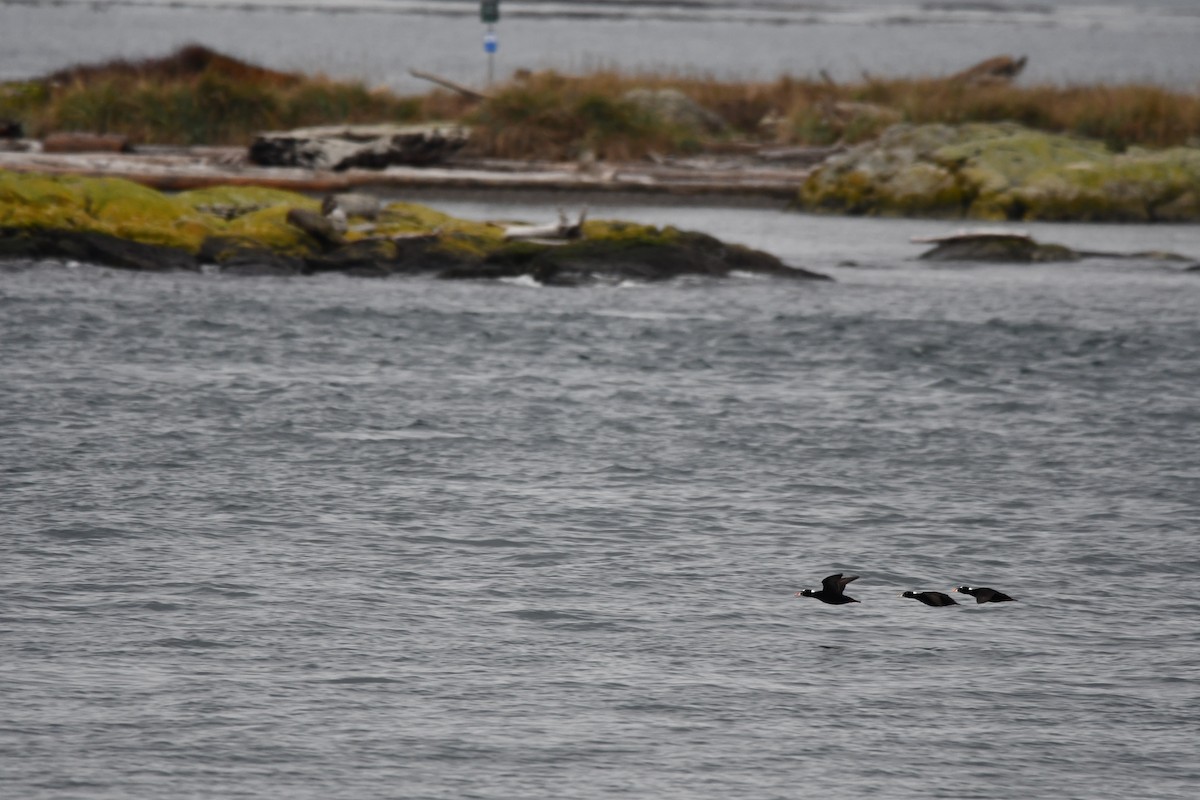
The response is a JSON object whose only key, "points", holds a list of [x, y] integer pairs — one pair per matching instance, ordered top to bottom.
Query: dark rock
{"points": [[11, 129], [95, 248], [998, 248], [1019, 248], [422, 254], [241, 256], [362, 257], [593, 261]]}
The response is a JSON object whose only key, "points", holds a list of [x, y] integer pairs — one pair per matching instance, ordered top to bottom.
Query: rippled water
{"points": [[379, 41], [340, 538]]}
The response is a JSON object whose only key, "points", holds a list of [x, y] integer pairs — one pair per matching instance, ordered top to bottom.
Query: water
{"points": [[379, 41], [341, 538]]}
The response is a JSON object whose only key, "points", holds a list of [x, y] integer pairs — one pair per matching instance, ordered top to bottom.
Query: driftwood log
{"points": [[991, 71], [465, 91], [85, 143], [364, 146]]}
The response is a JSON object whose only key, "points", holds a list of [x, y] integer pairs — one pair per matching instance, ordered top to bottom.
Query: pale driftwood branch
{"points": [[998, 70], [465, 91]]}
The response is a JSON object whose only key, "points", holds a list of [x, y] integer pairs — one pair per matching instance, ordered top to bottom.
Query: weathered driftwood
{"points": [[997, 70], [465, 91], [85, 143], [364, 146], [806, 155], [195, 168], [563, 231]]}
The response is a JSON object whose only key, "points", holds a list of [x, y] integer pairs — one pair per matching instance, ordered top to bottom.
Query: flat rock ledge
{"points": [[259, 231], [1016, 247]]}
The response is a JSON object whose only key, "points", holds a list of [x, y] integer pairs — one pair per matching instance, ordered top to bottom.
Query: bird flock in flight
{"points": [[833, 591]]}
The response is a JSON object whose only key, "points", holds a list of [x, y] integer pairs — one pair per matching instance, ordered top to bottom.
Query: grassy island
{"points": [[251, 230]]}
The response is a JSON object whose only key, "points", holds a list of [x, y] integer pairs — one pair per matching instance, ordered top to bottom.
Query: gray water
{"points": [[379, 41], [340, 538]]}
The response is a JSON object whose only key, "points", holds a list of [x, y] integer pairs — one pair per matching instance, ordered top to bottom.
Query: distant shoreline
{"points": [[379, 47]]}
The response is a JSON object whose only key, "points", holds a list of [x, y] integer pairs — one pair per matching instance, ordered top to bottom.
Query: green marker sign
{"points": [[489, 11]]}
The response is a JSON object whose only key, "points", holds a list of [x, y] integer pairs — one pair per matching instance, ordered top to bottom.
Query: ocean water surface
{"points": [[379, 41], [341, 538]]}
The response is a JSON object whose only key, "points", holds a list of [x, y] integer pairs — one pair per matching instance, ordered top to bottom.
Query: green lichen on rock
{"points": [[1005, 172], [32, 201], [231, 202], [267, 231]]}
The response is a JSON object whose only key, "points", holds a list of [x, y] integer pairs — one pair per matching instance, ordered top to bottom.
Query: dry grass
{"points": [[197, 96], [552, 115]]}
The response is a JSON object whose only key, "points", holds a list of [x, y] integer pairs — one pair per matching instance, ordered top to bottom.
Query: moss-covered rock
{"points": [[1005, 172], [265, 231]]}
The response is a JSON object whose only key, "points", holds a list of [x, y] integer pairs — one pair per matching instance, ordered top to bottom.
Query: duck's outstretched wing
{"points": [[836, 583]]}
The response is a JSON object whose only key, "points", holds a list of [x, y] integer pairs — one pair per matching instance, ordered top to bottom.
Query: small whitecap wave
{"points": [[527, 281]]}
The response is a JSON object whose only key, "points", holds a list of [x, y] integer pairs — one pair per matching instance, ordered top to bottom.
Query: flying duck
{"points": [[831, 591], [984, 595], [932, 598]]}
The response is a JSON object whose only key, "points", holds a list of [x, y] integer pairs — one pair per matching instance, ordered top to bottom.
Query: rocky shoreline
{"points": [[985, 172], [1005, 172], [260, 230]]}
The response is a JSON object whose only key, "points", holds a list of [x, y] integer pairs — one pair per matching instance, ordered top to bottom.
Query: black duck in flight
{"points": [[832, 590], [982, 594], [932, 598]]}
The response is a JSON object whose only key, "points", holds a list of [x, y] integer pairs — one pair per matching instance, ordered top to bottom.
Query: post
{"points": [[489, 14], [490, 45]]}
